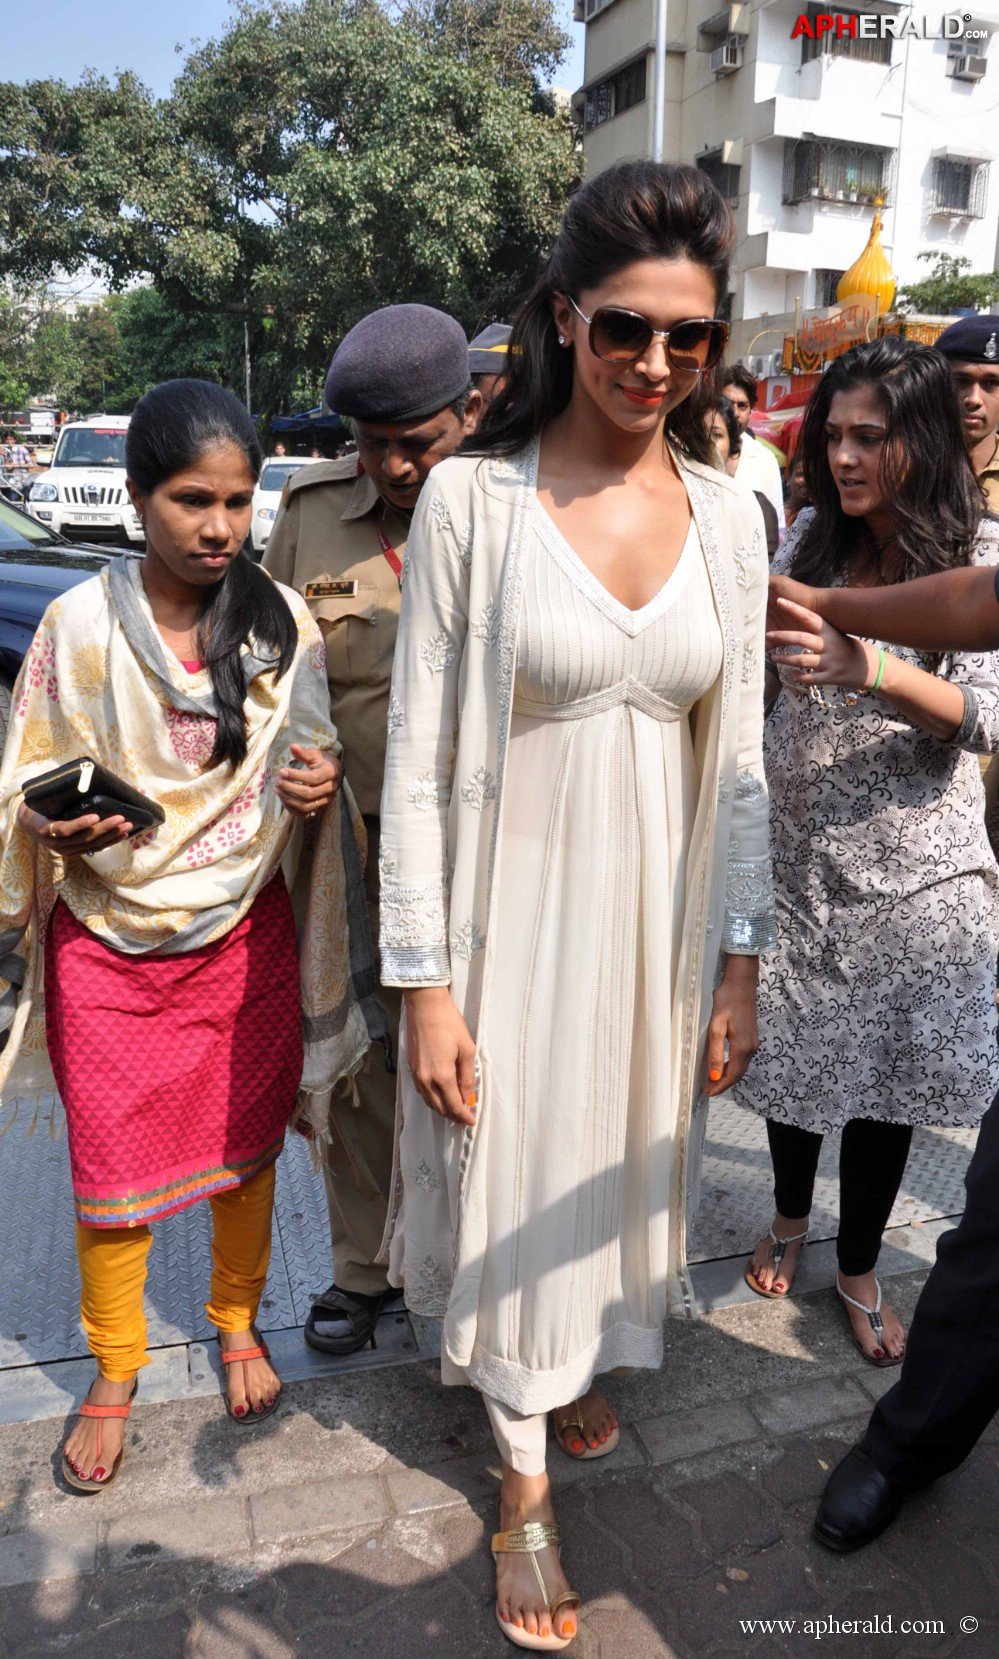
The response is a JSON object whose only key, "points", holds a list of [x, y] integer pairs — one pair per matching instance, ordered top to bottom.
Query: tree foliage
{"points": [[319, 159], [950, 287], [105, 355]]}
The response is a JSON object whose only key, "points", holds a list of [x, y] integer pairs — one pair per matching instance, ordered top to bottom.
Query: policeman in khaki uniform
{"points": [[402, 376]]}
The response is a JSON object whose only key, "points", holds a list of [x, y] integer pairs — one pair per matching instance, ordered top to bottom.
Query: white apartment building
{"points": [[802, 134]]}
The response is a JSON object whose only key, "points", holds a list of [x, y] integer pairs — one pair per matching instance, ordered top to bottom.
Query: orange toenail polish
{"points": [[715, 1074]]}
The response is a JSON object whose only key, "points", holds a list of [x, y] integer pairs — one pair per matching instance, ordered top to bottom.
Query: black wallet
{"points": [[84, 786]]}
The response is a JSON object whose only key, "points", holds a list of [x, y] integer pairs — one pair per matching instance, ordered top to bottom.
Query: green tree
{"points": [[318, 160], [949, 287], [155, 341], [15, 388]]}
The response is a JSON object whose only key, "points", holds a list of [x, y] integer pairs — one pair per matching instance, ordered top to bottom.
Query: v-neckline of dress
{"points": [[633, 622]]}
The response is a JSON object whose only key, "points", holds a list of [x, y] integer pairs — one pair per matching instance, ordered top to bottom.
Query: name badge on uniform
{"points": [[328, 589]]}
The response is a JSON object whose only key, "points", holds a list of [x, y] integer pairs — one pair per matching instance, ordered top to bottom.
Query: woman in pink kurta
{"points": [[173, 997]]}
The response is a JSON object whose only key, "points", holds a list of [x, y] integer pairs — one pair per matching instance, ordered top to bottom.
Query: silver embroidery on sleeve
{"points": [[438, 507], [465, 545], [742, 558], [488, 626], [438, 652], [748, 664], [396, 713], [748, 787], [480, 788], [423, 792], [750, 921], [413, 933], [467, 941], [425, 1177], [433, 1290]]}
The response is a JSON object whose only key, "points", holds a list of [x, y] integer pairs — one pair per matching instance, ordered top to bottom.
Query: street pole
{"points": [[659, 83], [246, 361]]}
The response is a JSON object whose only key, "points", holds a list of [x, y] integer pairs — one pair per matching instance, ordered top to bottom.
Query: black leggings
{"points": [[871, 1165]]}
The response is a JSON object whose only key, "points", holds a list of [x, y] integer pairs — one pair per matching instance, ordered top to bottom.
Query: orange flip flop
{"points": [[240, 1356], [83, 1483]]}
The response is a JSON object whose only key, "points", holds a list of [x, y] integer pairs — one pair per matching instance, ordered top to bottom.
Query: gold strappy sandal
{"points": [[571, 1421], [527, 1540]]}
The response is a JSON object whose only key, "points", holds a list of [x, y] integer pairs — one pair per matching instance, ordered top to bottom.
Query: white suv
{"points": [[83, 493]]}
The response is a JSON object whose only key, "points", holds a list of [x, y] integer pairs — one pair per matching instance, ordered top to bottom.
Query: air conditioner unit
{"points": [[727, 58], [969, 67], [777, 362], [757, 367]]}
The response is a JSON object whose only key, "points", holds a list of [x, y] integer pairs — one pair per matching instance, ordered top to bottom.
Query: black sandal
{"points": [[360, 1313]]}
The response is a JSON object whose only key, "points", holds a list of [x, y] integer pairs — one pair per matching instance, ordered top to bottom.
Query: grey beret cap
{"points": [[973, 340], [398, 364]]}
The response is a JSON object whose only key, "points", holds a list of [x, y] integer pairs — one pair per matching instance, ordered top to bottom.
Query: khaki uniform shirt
{"points": [[989, 480], [325, 543]]}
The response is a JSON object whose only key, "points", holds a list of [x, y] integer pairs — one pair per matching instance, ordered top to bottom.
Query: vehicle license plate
{"points": [[94, 518]]}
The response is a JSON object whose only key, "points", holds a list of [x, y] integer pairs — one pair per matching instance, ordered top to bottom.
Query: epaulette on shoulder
{"points": [[342, 471]]}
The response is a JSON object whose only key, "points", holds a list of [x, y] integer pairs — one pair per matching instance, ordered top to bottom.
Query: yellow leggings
{"points": [[113, 1275]]}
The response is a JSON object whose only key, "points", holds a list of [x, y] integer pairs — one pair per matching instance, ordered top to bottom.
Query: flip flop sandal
{"points": [[779, 1247], [877, 1326], [239, 1356], [588, 1452], [84, 1483], [526, 1540]]}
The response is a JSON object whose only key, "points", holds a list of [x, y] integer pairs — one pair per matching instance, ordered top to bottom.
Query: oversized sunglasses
{"points": [[619, 336]]}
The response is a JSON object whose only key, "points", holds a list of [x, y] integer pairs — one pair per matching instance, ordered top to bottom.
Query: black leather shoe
{"points": [[343, 1321], [857, 1504]]}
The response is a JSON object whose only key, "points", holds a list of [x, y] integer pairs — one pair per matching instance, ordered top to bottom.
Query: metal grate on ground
{"points": [[737, 1185], [39, 1321]]}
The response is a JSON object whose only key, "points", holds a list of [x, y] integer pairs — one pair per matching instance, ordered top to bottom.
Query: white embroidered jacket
{"points": [[449, 720]]}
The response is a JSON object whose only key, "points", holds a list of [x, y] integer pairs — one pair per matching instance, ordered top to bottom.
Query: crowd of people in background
{"points": [[577, 836]]}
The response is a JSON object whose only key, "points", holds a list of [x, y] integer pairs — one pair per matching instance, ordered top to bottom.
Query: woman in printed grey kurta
{"points": [[573, 830], [877, 1010]]}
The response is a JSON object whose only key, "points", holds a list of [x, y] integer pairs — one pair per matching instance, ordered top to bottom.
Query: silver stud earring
{"points": [[561, 339]]}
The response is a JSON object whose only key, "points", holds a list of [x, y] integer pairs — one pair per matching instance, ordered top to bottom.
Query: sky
{"points": [[65, 37]]}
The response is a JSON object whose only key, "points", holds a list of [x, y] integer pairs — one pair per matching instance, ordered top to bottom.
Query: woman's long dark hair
{"points": [[635, 210], [171, 428], [924, 473]]}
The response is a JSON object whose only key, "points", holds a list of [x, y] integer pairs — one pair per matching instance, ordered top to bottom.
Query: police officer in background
{"points": [[972, 349], [488, 360], [402, 377]]}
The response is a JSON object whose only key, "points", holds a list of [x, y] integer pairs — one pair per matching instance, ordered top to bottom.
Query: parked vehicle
{"points": [[274, 474], [83, 492], [36, 566]]}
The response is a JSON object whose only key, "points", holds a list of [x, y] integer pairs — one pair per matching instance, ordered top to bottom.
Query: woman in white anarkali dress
{"points": [[574, 839]]}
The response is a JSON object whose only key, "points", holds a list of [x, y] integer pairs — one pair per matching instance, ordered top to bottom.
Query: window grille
{"points": [[832, 44], [619, 92], [831, 171], [723, 175], [959, 186], [826, 283]]}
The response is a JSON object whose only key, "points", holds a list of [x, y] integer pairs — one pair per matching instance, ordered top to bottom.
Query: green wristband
{"points": [[879, 676]]}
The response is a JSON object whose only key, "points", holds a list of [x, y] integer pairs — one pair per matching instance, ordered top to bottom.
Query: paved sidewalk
{"points": [[356, 1522]]}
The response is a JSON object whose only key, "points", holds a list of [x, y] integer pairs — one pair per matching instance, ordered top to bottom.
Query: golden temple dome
{"points": [[871, 273]]}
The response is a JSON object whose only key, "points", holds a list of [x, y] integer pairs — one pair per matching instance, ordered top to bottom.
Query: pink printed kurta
{"points": [[178, 1073]]}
